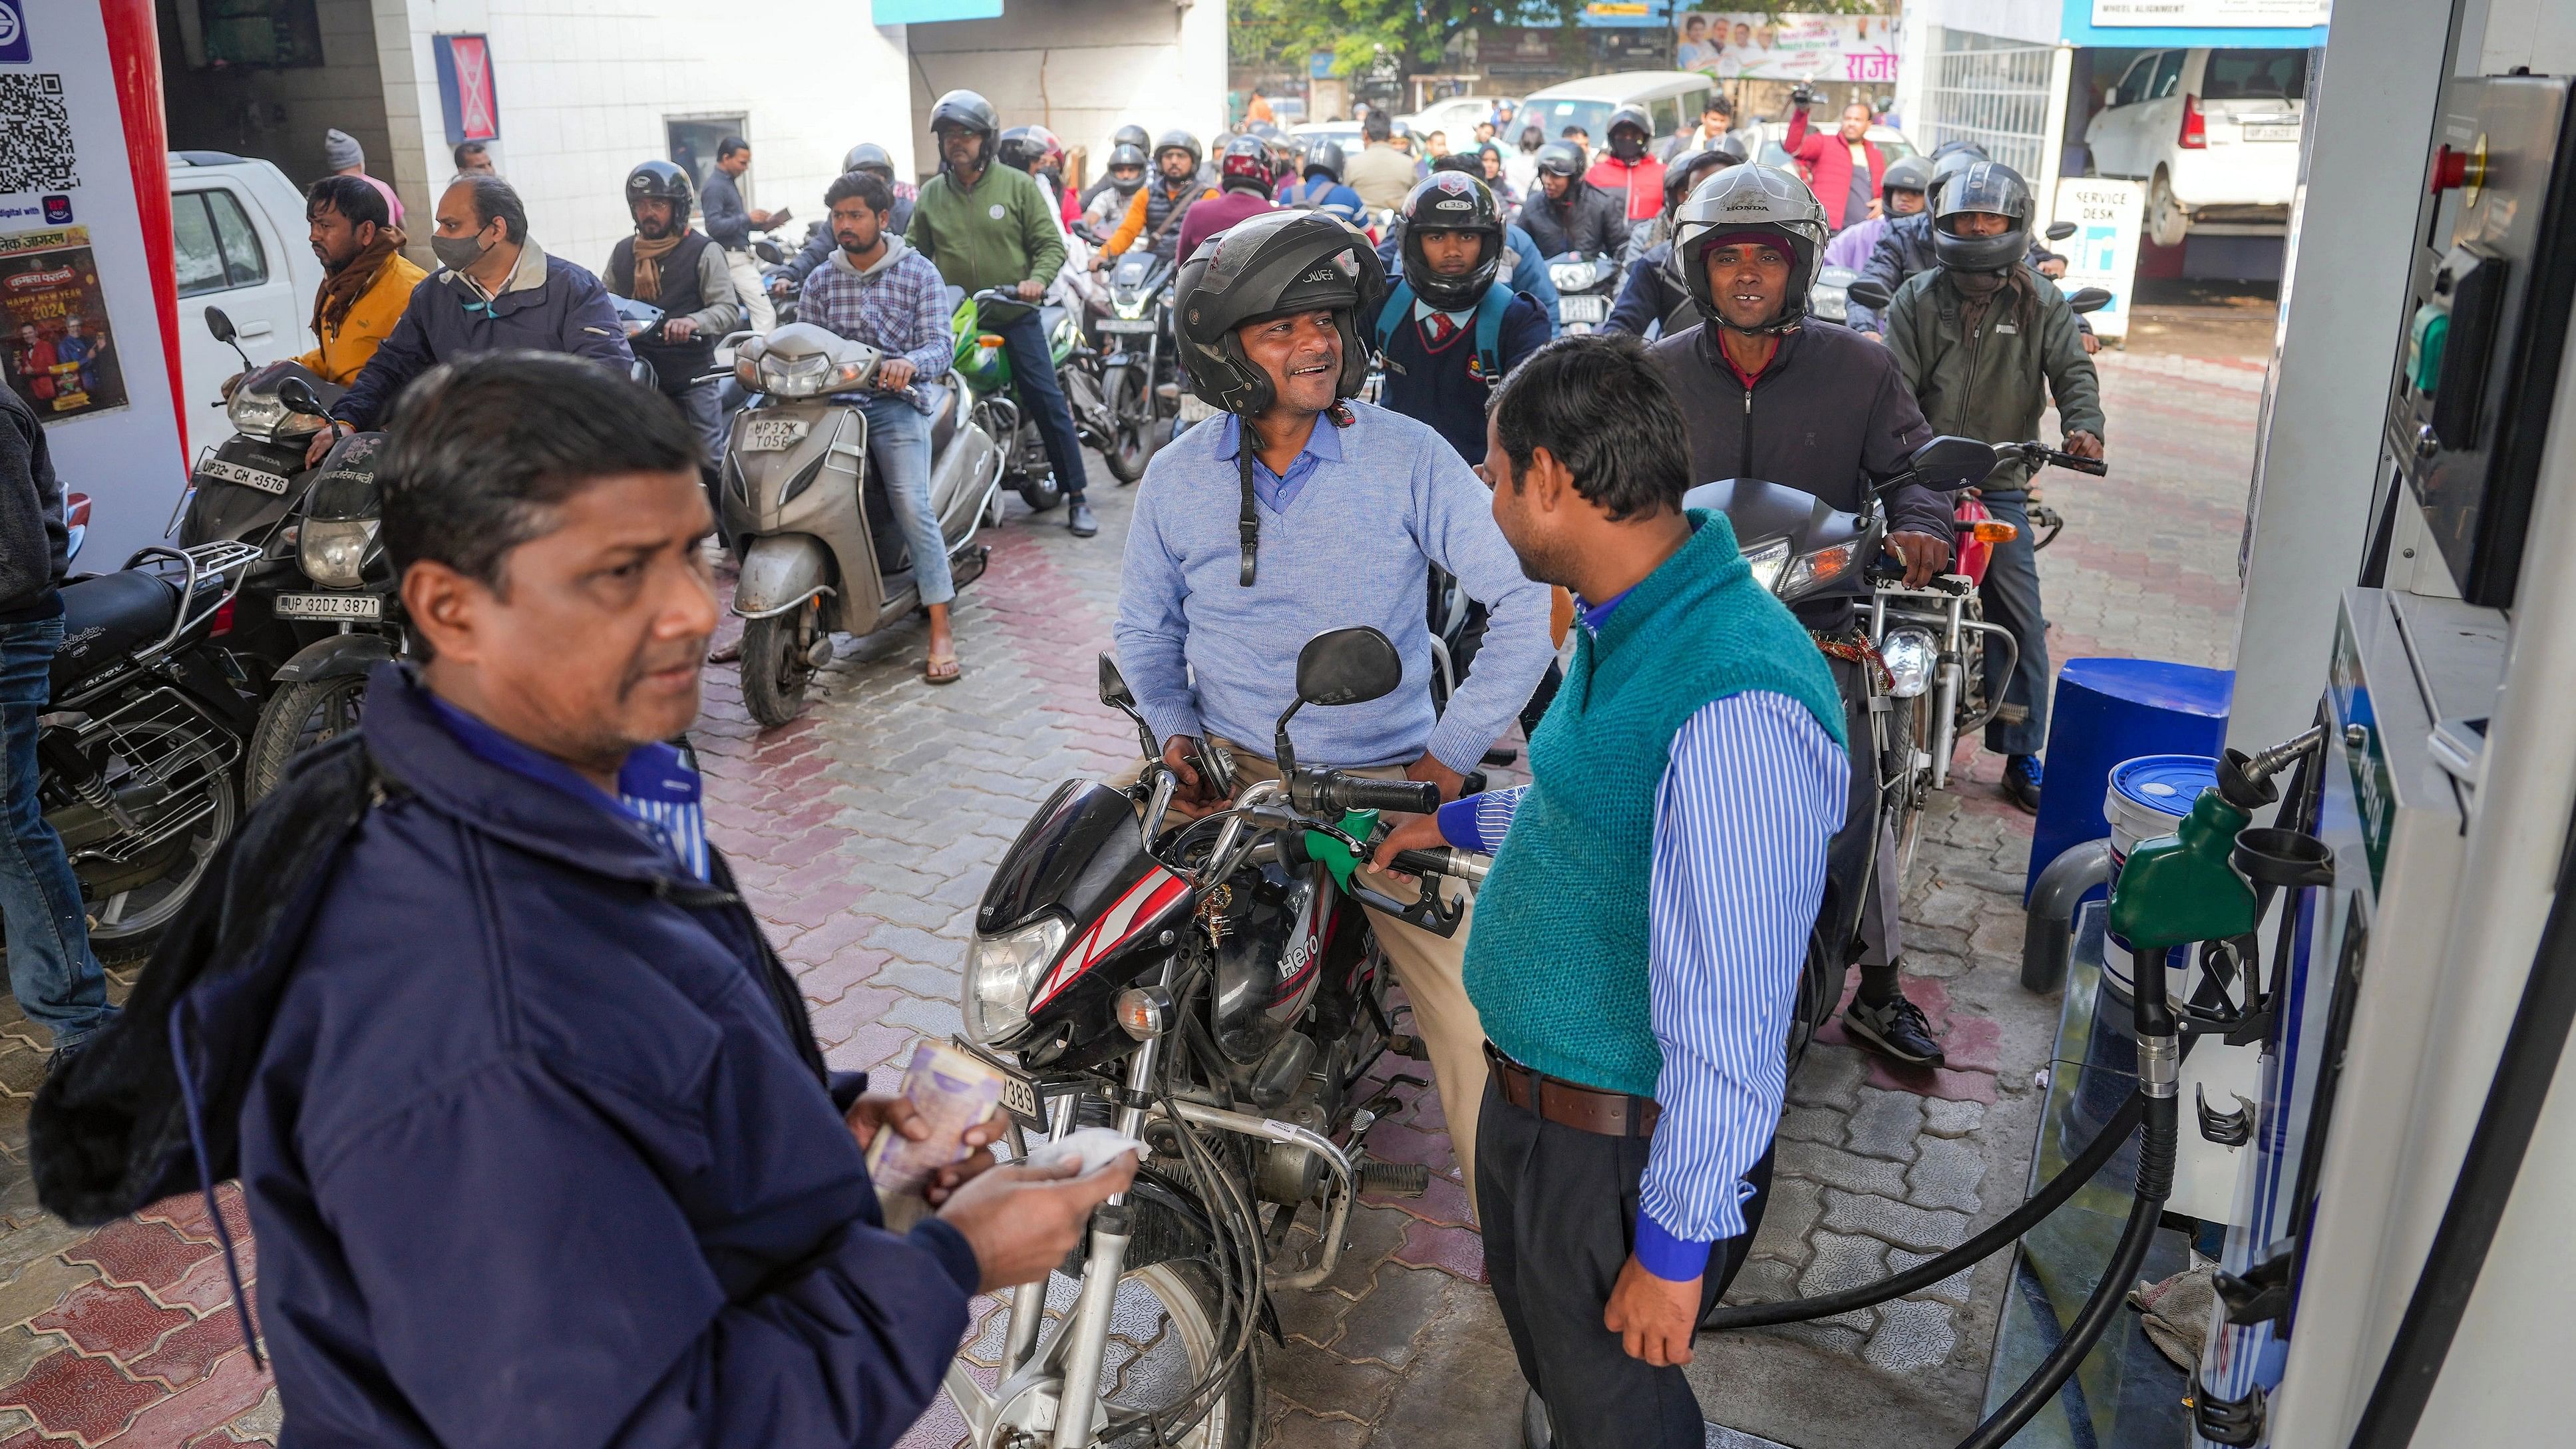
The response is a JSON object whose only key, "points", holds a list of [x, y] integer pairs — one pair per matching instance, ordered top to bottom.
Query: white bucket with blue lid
{"points": [[2148, 797]]}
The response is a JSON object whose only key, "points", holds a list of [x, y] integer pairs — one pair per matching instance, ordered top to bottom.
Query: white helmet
{"points": [[1760, 199]]}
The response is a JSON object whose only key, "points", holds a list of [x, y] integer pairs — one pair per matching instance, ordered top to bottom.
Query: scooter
{"points": [[1586, 288], [1135, 360], [808, 518]]}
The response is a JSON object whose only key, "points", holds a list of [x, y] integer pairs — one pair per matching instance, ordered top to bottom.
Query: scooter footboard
{"points": [[780, 571]]}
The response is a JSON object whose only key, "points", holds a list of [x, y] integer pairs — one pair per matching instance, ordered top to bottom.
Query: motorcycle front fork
{"points": [[1949, 678]]}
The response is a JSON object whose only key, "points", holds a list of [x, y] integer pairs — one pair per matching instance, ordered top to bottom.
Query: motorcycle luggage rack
{"points": [[200, 562]]}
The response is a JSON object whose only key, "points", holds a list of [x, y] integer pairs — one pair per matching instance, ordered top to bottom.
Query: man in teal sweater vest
{"points": [[1638, 946]]}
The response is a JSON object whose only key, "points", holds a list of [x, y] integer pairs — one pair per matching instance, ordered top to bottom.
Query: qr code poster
{"points": [[35, 134], [61, 358]]}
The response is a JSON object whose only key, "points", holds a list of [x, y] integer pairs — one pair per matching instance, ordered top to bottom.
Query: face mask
{"points": [[1627, 147], [456, 253]]}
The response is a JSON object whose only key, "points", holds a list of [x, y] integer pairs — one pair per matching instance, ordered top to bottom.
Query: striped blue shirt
{"points": [[657, 787], [1753, 794]]}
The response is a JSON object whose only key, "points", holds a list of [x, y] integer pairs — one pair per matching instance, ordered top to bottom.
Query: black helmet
{"points": [[966, 111], [1631, 116], [1131, 135], [1178, 141], [1730, 146], [1126, 155], [869, 156], [1326, 158], [1560, 158], [1949, 159], [1246, 165], [1691, 167], [1906, 173], [660, 181], [1986, 186], [1761, 199], [1452, 201], [1279, 261]]}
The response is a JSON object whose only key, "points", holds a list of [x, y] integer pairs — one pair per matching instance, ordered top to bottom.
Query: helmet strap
{"points": [[1246, 443]]}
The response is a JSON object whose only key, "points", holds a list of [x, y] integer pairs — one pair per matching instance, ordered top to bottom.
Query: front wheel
{"points": [[1128, 448], [775, 667], [295, 719]]}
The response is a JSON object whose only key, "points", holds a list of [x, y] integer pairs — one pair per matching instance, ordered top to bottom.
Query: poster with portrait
{"points": [[1735, 45], [61, 355]]}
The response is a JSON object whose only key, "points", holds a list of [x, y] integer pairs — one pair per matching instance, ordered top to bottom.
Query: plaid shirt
{"points": [[902, 310]]}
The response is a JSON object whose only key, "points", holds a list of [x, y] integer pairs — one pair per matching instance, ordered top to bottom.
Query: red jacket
{"points": [[1826, 161], [1640, 182]]}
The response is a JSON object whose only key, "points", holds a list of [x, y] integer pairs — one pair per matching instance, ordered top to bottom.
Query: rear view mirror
{"points": [[2060, 230], [1870, 293], [2088, 299], [219, 324], [298, 395], [1948, 464], [1348, 666], [1113, 685]]}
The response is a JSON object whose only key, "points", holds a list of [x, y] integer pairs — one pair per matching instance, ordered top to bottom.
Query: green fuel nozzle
{"points": [[2180, 888]]}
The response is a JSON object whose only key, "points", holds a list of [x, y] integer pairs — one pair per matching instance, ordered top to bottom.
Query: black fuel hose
{"points": [[2004, 1230]]}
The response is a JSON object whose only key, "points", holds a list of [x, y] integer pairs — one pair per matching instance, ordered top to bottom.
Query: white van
{"points": [[1672, 98], [2213, 133], [242, 244]]}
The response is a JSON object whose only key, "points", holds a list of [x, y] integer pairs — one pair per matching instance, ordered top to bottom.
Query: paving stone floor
{"points": [[865, 832]]}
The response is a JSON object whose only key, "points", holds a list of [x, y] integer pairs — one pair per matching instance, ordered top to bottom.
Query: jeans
{"points": [[1033, 376], [704, 406], [899, 446], [2011, 596], [1861, 888], [52, 972]]}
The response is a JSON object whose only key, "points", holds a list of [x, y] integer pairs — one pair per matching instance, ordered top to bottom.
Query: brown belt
{"points": [[1571, 1104]]}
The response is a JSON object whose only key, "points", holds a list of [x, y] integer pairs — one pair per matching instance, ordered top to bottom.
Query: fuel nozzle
{"points": [[2246, 780]]}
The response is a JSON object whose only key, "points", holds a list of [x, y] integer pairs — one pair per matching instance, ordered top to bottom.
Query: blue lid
{"points": [[2157, 683], [2164, 782]]}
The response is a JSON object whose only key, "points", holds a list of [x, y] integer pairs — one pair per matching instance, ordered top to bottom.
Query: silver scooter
{"points": [[800, 507]]}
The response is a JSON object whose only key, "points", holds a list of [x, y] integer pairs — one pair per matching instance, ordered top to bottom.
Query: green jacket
{"points": [[998, 235], [1992, 385]]}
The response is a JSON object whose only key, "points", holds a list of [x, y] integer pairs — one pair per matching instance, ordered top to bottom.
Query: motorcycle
{"points": [[1586, 288], [1135, 360], [983, 364], [821, 560], [350, 593], [137, 748], [1210, 990]]}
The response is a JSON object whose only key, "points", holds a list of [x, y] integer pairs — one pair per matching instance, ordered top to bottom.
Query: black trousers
{"points": [[1560, 1210]]}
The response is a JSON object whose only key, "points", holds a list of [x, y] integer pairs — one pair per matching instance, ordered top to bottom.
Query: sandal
{"points": [[933, 672]]}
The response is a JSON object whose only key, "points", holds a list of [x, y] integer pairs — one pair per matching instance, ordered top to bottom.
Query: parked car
{"points": [[1670, 97], [1456, 115], [2213, 133], [1345, 134], [242, 245]]}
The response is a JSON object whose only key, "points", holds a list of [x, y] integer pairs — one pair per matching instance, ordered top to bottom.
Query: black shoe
{"points": [[1078, 519], [2021, 781], [1896, 1029]]}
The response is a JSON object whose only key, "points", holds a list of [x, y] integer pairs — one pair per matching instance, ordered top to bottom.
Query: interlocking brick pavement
{"points": [[864, 832]]}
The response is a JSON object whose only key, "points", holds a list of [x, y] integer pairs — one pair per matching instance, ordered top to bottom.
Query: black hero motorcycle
{"points": [[1213, 990]]}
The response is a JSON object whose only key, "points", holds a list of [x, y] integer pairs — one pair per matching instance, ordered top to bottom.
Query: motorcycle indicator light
{"points": [[989, 341], [1994, 530], [1766, 559], [1811, 571], [1144, 1012]]}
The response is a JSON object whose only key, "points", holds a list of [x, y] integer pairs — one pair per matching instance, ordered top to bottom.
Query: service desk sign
{"points": [[2220, 14], [2104, 250], [88, 290]]}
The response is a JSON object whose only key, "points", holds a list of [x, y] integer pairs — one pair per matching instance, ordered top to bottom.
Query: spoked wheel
{"points": [[1130, 449], [776, 667], [295, 719], [133, 882], [1166, 1335]]}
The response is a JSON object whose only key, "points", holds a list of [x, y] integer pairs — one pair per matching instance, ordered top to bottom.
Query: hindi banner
{"points": [[1751, 46]]}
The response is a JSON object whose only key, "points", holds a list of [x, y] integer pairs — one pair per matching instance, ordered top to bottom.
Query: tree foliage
{"points": [[1283, 33]]}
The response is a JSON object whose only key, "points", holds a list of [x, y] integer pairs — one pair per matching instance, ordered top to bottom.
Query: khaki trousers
{"points": [[759, 314], [1432, 972]]}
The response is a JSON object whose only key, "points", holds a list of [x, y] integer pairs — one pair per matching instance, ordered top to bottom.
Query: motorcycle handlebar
{"points": [[2040, 455], [1350, 792], [1460, 864]]}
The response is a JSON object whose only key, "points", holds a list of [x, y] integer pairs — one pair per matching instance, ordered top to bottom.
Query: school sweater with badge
{"points": [[1433, 375]]}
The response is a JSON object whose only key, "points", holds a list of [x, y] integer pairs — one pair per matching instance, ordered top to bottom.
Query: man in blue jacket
{"points": [[494, 289], [530, 1121]]}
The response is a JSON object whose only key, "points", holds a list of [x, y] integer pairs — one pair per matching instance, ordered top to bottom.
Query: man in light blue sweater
{"points": [[1300, 512]]}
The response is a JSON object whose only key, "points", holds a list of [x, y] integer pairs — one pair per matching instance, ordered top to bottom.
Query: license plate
{"points": [[2271, 130], [1583, 309], [1130, 326], [772, 435], [246, 476], [330, 606], [1019, 1094]]}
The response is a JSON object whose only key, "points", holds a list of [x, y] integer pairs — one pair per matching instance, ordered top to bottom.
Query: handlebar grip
{"points": [[2095, 466], [1346, 792]]}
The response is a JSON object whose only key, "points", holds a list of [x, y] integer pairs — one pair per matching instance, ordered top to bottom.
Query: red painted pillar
{"points": [[134, 55]]}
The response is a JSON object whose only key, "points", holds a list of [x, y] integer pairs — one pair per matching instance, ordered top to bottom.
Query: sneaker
{"points": [[1078, 519], [2021, 781], [1894, 1029]]}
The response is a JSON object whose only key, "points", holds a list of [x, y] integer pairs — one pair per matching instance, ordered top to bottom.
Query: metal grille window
{"points": [[1994, 93]]}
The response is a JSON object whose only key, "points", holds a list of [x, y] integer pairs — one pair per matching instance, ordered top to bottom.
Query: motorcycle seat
{"points": [[108, 617]]}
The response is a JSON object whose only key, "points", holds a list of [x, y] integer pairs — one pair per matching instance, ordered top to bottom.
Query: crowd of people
{"points": [[475, 1011]]}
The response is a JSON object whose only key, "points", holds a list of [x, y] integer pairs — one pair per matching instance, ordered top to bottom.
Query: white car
{"points": [[1455, 115], [2213, 133], [242, 244]]}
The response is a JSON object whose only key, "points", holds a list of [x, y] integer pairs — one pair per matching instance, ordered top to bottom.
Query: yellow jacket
{"points": [[346, 348]]}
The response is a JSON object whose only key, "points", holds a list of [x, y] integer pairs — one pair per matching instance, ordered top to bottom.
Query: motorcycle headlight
{"points": [[1572, 276], [1832, 304], [811, 375], [265, 415], [334, 551], [1765, 560], [1812, 571], [1909, 655], [1002, 972]]}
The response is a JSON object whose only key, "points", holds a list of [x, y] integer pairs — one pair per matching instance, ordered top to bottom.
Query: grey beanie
{"points": [[340, 150]]}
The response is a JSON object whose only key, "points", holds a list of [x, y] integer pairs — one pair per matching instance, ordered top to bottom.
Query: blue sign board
{"points": [[926, 12], [2078, 29]]}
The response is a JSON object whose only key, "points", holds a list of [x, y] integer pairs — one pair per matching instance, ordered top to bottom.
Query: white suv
{"points": [[2213, 133], [242, 245]]}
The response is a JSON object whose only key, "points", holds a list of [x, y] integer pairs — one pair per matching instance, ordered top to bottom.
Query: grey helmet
{"points": [[963, 110], [1132, 135], [1178, 140], [1127, 155], [869, 156], [1326, 158], [1561, 158], [1948, 160], [1907, 173], [1986, 186], [1763, 199]]}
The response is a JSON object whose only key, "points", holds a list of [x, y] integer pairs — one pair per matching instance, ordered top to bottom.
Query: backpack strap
{"points": [[1399, 305], [1489, 330]]}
